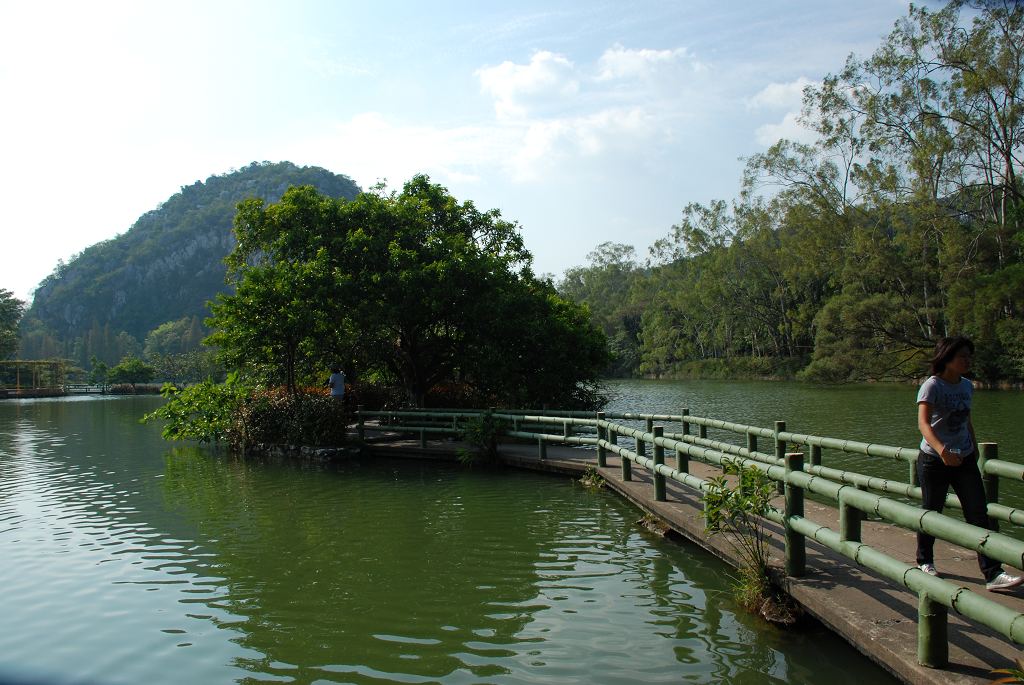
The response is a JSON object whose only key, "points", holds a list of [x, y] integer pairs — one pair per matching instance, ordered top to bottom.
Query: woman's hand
{"points": [[950, 457]]}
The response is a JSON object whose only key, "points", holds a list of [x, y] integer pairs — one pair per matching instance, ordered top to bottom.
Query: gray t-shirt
{"points": [[337, 384], [950, 413]]}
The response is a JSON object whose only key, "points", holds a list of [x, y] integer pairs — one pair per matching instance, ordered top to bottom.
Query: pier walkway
{"points": [[875, 615]]}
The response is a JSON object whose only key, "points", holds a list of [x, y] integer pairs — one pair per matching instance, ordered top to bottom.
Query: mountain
{"points": [[164, 268]]}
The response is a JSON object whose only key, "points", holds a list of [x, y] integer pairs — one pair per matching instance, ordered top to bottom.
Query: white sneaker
{"points": [[930, 569], [1004, 581]]}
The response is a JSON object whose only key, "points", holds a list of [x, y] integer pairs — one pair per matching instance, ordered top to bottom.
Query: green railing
{"points": [[991, 467], [855, 495]]}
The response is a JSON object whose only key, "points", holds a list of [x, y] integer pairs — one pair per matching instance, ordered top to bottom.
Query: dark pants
{"points": [[936, 478]]}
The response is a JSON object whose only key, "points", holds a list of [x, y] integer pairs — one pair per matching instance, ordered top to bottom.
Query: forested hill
{"points": [[846, 258], [164, 268]]}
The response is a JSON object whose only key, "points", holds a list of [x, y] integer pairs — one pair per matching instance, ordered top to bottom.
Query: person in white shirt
{"points": [[336, 383]]}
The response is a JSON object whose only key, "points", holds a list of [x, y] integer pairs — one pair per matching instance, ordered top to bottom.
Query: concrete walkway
{"points": [[874, 614]]}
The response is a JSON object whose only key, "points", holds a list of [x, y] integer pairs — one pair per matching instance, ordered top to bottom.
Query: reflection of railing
{"points": [[84, 389], [855, 495]]}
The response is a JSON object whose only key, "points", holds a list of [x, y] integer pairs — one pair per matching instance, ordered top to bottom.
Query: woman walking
{"points": [[949, 452]]}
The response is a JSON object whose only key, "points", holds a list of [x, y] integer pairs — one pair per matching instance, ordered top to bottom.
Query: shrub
{"points": [[375, 396], [455, 396], [203, 412], [238, 415], [274, 416], [482, 433], [592, 478], [738, 514]]}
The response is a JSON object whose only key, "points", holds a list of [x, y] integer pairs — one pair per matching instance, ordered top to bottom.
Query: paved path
{"points": [[876, 615]]}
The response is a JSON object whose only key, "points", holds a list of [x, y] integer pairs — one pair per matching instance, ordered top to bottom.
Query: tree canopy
{"points": [[900, 223], [412, 287], [11, 310], [132, 371]]}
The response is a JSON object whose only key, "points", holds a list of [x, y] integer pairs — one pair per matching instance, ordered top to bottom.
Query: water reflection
{"points": [[402, 548], [125, 562]]}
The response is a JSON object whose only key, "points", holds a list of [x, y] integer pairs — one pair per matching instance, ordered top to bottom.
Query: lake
{"points": [[880, 413], [127, 560]]}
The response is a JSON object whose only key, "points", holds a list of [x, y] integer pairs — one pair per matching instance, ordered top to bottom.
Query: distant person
{"points": [[336, 383], [949, 452]]}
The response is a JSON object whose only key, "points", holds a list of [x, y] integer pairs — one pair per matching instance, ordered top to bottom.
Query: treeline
{"points": [[846, 258], [173, 350]]}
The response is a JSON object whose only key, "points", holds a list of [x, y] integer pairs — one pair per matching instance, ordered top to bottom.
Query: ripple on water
{"points": [[138, 566]]}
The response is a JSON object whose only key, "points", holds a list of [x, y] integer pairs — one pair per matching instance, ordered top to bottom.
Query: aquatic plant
{"points": [[481, 433], [592, 478], [738, 514]]}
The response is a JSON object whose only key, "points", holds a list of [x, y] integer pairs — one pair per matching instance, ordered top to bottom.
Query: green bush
{"points": [[737, 368], [375, 396], [204, 412], [238, 416], [304, 419], [482, 433], [738, 514]]}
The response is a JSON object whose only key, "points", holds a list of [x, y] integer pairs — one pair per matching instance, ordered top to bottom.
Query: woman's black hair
{"points": [[945, 350]]}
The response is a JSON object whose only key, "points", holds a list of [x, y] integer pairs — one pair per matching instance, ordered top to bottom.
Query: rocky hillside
{"points": [[165, 267]]}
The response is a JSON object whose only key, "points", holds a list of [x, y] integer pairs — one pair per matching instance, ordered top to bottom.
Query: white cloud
{"points": [[618, 62], [328, 67], [519, 89], [781, 95], [550, 112], [547, 118], [789, 128], [547, 144], [372, 147]]}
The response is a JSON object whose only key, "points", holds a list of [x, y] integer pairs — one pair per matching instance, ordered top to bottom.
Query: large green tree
{"points": [[916, 176], [606, 285], [412, 286], [11, 309], [278, 320], [175, 337], [131, 370]]}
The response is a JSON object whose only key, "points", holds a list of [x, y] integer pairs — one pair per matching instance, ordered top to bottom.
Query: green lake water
{"points": [[881, 413], [127, 560]]}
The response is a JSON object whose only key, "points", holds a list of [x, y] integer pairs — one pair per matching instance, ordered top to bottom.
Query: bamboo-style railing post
{"points": [[780, 449], [988, 452], [659, 460], [796, 548], [932, 639]]}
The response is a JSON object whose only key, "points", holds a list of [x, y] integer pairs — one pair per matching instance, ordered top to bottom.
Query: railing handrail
{"points": [[989, 467]]}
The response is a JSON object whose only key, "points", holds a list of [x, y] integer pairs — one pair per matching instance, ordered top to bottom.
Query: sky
{"points": [[583, 121]]}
